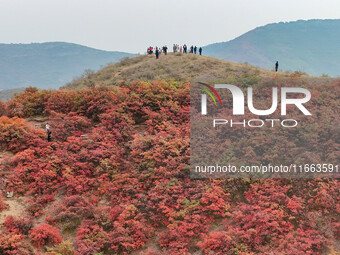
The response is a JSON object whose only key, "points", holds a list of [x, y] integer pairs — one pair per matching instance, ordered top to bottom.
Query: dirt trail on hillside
{"points": [[38, 122], [14, 207]]}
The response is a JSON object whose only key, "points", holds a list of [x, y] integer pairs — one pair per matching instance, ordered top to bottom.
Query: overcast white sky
{"points": [[132, 25]]}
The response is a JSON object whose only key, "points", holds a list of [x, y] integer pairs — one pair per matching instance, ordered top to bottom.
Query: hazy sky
{"points": [[132, 25]]}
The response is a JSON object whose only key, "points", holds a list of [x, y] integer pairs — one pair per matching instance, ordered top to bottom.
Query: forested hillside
{"points": [[114, 179]]}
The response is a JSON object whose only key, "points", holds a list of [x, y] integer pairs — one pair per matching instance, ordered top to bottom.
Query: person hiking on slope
{"points": [[195, 50], [200, 50], [276, 66], [47, 127], [48, 131], [49, 136]]}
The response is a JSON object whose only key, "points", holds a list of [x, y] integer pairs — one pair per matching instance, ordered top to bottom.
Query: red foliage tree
{"points": [[29, 103], [16, 135], [18, 225], [45, 234], [11, 244]]}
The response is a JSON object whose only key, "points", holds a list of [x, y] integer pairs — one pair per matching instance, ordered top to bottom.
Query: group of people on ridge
{"points": [[176, 48], [184, 49]]}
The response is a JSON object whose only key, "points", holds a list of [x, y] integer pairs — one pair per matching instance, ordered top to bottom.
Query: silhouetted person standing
{"points": [[185, 48], [165, 49], [192, 49], [195, 49], [200, 50], [157, 52], [276, 66], [49, 136]]}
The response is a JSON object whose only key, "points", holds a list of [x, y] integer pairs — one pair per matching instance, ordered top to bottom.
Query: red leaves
{"points": [[61, 101], [29, 103], [66, 125], [16, 135], [118, 168], [214, 202], [2, 203], [37, 204], [295, 204], [270, 220], [17, 225], [127, 233], [45, 234], [91, 238], [302, 241], [223, 242], [11, 244]]}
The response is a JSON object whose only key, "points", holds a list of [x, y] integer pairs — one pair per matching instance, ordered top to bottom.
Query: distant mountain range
{"points": [[311, 46], [49, 65], [7, 94]]}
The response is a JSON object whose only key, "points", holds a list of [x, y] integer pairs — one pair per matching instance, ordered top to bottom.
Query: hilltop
{"points": [[309, 46], [49, 65], [173, 66]]}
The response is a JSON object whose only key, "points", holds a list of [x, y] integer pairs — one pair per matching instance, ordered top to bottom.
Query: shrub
{"points": [[31, 102], [66, 125], [16, 135], [2, 203], [73, 210], [18, 225], [45, 234], [91, 238], [11, 244], [64, 248]]}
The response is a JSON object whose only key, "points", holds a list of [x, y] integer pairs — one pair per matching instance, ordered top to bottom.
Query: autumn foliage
{"points": [[116, 178], [2, 203], [45, 234]]}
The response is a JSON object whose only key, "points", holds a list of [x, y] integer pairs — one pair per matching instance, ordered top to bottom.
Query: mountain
{"points": [[311, 46], [49, 65], [9, 93]]}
